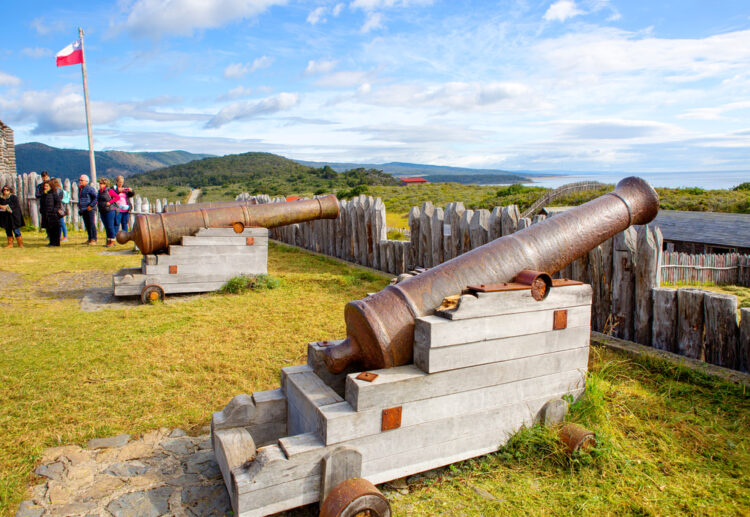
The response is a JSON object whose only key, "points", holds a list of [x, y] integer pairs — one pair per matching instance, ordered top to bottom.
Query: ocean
{"points": [[705, 180]]}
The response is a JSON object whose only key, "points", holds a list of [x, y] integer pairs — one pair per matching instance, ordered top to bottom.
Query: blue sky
{"points": [[587, 85]]}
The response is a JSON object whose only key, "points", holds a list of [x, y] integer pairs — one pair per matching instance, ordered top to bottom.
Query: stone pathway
{"points": [[162, 473]]}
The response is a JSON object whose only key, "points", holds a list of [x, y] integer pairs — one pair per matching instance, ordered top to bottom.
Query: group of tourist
{"points": [[112, 202]]}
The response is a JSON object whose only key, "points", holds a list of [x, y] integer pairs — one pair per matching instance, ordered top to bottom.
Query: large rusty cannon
{"points": [[154, 232], [380, 328]]}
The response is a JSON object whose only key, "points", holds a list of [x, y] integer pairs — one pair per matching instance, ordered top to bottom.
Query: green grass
{"points": [[670, 441]]}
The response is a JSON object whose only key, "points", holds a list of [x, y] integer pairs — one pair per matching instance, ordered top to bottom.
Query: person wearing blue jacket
{"points": [[87, 199]]}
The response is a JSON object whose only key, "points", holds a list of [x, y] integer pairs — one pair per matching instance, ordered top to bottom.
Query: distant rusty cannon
{"points": [[154, 232], [380, 328]]}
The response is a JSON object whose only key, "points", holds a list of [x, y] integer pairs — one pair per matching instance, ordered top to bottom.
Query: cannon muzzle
{"points": [[154, 232], [380, 328]]}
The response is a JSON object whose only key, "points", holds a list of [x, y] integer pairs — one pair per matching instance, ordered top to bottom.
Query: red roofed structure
{"points": [[413, 181]]}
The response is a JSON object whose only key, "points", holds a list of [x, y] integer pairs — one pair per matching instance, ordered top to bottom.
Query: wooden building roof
{"points": [[715, 228]]}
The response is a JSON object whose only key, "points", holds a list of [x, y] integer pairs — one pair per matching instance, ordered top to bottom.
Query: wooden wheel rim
{"points": [[152, 293], [353, 497]]}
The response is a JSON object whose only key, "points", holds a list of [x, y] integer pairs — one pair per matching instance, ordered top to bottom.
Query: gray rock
{"points": [[554, 412], [177, 433], [113, 441], [205, 444], [181, 446], [204, 463], [127, 469], [51, 470], [185, 480], [484, 494], [206, 501], [150, 503], [29, 509], [66, 510]]}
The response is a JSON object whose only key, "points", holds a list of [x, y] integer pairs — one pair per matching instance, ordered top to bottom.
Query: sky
{"points": [[546, 85]]}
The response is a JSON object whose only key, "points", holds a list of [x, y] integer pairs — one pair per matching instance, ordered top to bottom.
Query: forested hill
{"points": [[71, 163], [261, 173]]}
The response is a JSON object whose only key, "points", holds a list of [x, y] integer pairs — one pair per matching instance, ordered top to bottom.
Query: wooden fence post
{"points": [[76, 217], [510, 218], [438, 219], [496, 223], [479, 228], [464, 230], [425, 234], [414, 253], [647, 265], [623, 282], [690, 323], [721, 329], [664, 333], [744, 342]]}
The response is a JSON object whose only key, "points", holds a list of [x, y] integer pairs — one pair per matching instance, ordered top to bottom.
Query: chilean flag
{"points": [[70, 55]]}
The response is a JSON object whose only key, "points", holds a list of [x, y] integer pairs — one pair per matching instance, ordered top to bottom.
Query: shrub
{"points": [[742, 186], [240, 284]]}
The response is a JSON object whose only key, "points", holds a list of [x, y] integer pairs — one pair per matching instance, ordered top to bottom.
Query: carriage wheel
{"points": [[152, 293], [355, 497]]}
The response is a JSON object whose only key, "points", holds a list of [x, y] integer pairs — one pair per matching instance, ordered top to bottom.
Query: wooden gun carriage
{"points": [[417, 385]]}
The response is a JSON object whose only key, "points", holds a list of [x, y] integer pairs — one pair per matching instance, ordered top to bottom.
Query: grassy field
{"points": [[670, 442]]}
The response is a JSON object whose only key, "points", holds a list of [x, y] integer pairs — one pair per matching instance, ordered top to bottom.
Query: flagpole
{"points": [[92, 163]]}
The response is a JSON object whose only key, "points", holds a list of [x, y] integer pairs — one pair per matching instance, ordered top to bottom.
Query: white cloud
{"points": [[371, 5], [338, 8], [562, 10], [316, 15], [157, 18], [372, 22], [43, 27], [36, 52], [320, 67], [237, 70], [343, 79], [9, 80], [235, 93], [461, 96], [247, 109], [63, 111], [617, 129]]}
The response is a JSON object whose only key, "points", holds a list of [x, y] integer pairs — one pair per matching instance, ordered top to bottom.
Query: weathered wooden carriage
{"points": [[422, 380]]}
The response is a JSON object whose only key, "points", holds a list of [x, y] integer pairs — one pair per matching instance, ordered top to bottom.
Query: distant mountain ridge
{"points": [[71, 163], [435, 173]]}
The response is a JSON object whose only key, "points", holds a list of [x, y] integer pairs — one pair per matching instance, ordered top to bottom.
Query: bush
{"points": [[742, 186], [319, 191], [242, 283]]}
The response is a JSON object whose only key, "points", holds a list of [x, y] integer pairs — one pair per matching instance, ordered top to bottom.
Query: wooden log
{"points": [[34, 180], [75, 216], [438, 218], [510, 218], [538, 218], [523, 222], [496, 223], [479, 228], [380, 229], [464, 229], [449, 232], [425, 234], [366, 236], [456, 239], [414, 253], [400, 256], [390, 257], [647, 265], [595, 274], [605, 283], [623, 283], [665, 316], [720, 316], [690, 323], [744, 340]]}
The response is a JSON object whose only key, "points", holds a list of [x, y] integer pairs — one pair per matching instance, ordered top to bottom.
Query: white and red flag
{"points": [[70, 55]]}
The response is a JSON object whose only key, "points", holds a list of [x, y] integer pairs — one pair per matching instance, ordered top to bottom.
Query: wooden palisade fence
{"points": [[25, 188], [730, 268], [624, 272]]}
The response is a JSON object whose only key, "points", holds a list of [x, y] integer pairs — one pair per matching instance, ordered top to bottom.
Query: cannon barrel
{"points": [[154, 232], [380, 328]]}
